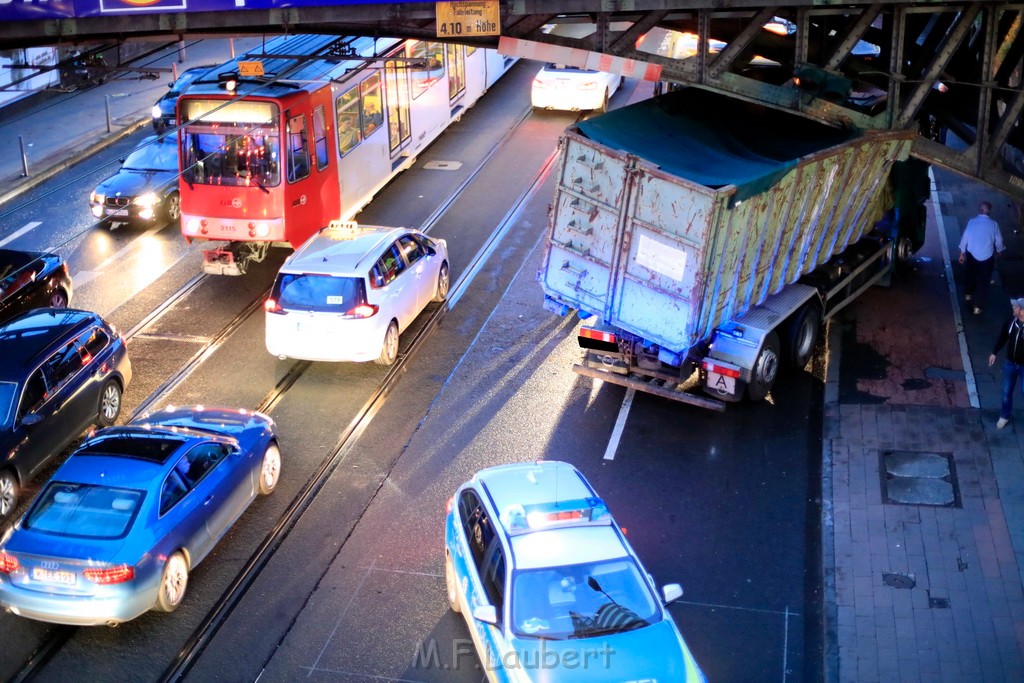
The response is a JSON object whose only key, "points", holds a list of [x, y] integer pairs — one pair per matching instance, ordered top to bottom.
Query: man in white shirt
{"points": [[978, 248]]}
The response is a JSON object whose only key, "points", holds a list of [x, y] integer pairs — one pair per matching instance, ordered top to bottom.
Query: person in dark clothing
{"points": [[1011, 335]]}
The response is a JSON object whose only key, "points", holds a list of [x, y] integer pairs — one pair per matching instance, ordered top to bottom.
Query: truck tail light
{"points": [[597, 335], [598, 340], [721, 369], [109, 575]]}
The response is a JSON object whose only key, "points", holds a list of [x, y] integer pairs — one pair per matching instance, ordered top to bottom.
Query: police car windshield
{"points": [[582, 601]]}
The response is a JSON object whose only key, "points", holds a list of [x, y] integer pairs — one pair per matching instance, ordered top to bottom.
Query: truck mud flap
{"points": [[647, 387]]}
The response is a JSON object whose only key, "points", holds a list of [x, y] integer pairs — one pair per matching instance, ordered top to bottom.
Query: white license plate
{"points": [[117, 212], [722, 383], [53, 576]]}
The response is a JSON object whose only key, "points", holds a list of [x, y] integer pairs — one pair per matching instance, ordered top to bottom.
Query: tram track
{"points": [[60, 636], [201, 637]]}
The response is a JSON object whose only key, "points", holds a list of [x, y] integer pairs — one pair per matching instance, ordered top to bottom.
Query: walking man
{"points": [[978, 248], [1011, 335]]}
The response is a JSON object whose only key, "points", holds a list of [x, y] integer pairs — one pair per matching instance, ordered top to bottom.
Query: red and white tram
{"points": [[272, 158]]}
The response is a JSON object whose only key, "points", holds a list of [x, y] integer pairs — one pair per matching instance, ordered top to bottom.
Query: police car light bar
{"points": [[582, 512]]}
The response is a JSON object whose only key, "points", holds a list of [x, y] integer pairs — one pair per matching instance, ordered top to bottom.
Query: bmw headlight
{"points": [[148, 200]]}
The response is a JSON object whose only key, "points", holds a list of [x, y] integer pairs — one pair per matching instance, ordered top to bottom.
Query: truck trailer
{"points": [[704, 240]]}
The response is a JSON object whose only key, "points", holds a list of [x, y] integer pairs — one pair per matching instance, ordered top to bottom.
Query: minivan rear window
{"points": [[328, 293]]}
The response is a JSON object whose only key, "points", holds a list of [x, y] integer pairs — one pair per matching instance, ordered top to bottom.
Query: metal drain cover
{"points": [[919, 478], [899, 580]]}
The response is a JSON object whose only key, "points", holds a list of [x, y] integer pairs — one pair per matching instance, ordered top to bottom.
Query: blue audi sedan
{"points": [[132, 511]]}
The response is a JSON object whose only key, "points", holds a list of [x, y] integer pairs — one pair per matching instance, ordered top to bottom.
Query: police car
{"points": [[549, 587]]}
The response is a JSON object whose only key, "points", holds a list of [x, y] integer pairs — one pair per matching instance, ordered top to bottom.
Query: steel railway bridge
{"points": [[951, 71]]}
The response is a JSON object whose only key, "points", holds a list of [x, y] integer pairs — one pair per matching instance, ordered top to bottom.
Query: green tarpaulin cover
{"points": [[714, 140]]}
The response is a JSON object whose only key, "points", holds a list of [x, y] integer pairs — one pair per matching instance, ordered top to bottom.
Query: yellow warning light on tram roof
{"points": [[250, 69]]}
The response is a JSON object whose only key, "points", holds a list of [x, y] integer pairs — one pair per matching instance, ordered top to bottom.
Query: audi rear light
{"points": [[271, 306], [362, 311], [8, 563], [109, 575]]}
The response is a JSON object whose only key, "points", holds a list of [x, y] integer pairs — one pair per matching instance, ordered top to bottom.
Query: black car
{"points": [[163, 111], [145, 190], [32, 279], [61, 370]]}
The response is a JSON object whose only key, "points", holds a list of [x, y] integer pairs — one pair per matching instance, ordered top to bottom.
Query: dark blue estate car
{"points": [[61, 370]]}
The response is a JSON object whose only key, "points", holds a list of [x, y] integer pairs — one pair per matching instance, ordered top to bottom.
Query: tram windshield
{"points": [[228, 144]]}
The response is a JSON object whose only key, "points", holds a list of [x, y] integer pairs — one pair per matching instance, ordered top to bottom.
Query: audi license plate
{"points": [[117, 212], [722, 383], [53, 576]]}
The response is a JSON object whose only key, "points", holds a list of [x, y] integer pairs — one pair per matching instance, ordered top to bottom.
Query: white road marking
{"points": [[18, 233], [87, 275], [83, 276], [965, 356], [620, 424]]}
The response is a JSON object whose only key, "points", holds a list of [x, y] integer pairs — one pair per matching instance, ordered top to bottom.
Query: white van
{"points": [[350, 290]]}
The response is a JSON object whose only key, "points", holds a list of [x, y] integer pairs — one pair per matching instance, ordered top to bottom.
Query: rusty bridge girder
{"points": [[950, 70]]}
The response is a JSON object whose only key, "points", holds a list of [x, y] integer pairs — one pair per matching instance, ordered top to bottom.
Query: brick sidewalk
{"points": [[922, 590]]}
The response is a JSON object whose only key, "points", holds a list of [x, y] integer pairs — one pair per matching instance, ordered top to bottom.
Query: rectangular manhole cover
{"points": [[919, 478]]}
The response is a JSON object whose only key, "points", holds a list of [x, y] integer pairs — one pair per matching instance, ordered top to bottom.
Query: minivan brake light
{"points": [[363, 311]]}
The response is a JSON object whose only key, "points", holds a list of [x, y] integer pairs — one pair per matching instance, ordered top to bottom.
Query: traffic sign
{"points": [[461, 19]]}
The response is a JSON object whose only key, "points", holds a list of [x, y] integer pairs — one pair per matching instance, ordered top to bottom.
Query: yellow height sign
{"points": [[464, 19], [250, 69]]}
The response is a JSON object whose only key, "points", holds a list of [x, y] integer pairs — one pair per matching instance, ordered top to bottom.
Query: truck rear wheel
{"points": [[802, 336], [765, 370]]}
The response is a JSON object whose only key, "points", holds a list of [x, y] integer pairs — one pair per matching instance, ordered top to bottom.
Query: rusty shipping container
{"points": [[676, 215]]}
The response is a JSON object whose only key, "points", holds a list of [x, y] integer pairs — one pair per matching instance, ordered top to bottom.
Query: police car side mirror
{"points": [[671, 592], [486, 614]]}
